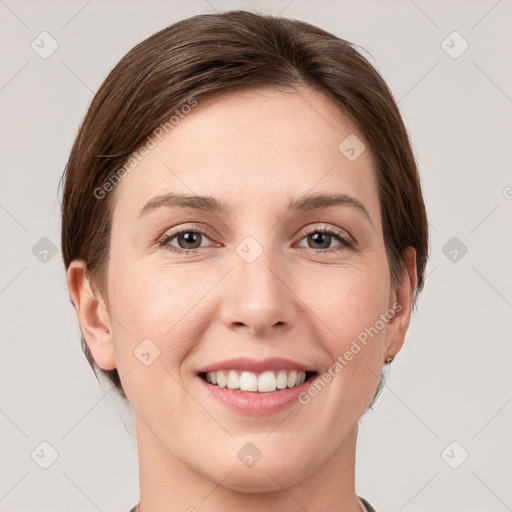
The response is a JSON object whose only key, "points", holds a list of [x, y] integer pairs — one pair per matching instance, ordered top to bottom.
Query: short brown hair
{"points": [[213, 54]]}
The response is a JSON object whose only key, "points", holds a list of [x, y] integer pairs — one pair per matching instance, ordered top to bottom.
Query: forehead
{"points": [[251, 147]]}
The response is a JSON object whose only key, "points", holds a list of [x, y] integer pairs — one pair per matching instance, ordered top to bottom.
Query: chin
{"points": [[276, 468], [264, 478]]}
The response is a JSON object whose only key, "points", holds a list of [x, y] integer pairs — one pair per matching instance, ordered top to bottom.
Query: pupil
{"points": [[190, 238], [317, 239]]}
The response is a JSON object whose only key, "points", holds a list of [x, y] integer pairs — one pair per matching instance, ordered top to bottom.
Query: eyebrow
{"points": [[171, 200], [308, 202]]}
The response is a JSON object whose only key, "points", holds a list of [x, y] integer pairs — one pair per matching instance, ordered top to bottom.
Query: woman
{"points": [[245, 236]]}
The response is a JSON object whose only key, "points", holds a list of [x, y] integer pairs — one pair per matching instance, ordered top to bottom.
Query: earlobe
{"points": [[404, 296], [92, 315]]}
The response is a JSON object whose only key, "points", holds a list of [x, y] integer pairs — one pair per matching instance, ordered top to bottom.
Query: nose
{"points": [[258, 296]]}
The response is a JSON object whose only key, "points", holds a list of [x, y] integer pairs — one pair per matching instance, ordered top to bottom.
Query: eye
{"points": [[320, 239], [187, 240]]}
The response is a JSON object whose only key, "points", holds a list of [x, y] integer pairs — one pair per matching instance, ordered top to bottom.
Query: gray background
{"points": [[450, 383]]}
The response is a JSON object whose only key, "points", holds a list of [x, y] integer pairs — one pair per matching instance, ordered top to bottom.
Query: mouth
{"points": [[268, 381], [257, 388]]}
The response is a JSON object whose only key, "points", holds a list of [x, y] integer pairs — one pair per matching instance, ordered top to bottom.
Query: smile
{"points": [[264, 382], [256, 387]]}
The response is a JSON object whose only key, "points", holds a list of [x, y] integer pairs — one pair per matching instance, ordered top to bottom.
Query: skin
{"points": [[254, 150]]}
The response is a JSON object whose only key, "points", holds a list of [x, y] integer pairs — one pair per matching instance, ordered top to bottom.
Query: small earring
{"points": [[389, 360]]}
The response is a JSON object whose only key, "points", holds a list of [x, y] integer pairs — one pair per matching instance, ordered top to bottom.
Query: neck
{"points": [[167, 484]]}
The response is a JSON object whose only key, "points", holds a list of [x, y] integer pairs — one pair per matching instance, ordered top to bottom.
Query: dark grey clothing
{"points": [[369, 508]]}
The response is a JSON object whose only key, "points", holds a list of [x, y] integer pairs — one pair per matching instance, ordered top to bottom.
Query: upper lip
{"points": [[257, 366]]}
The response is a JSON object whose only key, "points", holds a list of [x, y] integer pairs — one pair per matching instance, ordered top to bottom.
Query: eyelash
{"points": [[346, 241]]}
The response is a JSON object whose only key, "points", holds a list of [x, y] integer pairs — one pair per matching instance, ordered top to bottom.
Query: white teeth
{"points": [[221, 379], [282, 379], [292, 379], [233, 381], [248, 381], [265, 382]]}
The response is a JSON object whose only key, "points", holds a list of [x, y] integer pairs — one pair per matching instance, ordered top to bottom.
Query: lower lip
{"points": [[255, 403]]}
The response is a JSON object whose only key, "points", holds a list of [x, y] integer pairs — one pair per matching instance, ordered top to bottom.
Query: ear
{"points": [[403, 295], [92, 314]]}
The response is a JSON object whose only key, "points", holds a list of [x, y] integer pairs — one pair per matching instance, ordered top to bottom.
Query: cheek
{"points": [[347, 299], [161, 302], [156, 303], [350, 304], [149, 330]]}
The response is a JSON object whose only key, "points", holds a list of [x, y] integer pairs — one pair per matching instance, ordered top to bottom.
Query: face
{"points": [[256, 295]]}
